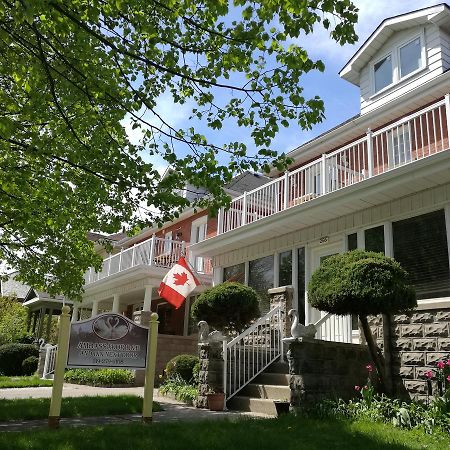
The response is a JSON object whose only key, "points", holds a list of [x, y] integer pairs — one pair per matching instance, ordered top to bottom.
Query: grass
{"points": [[21, 382], [37, 408], [287, 433]]}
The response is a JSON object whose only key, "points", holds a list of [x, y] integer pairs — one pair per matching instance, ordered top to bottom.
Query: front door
{"points": [[336, 328]]}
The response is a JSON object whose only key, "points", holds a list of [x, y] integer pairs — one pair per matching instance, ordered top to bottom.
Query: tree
{"points": [[73, 71], [362, 283], [13, 320]]}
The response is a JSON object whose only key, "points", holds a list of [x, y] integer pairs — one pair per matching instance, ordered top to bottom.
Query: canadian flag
{"points": [[178, 283]]}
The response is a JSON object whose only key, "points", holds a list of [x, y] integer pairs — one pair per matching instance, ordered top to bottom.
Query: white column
{"points": [[276, 270], [217, 275], [295, 277], [148, 297], [116, 303], [187, 305], [94, 308], [75, 313]]}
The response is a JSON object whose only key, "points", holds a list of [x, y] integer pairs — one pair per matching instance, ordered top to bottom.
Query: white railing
{"points": [[410, 139], [334, 328], [248, 354], [50, 360]]}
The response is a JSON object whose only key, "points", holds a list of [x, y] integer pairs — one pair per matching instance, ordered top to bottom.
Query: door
{"points": [[198, 234], [335, 328]]}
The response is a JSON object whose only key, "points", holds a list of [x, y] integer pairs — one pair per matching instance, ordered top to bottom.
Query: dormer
{"points": [[403, 53]]}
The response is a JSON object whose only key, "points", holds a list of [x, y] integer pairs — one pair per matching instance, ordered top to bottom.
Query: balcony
{"points": [[407, 141], [155, 253]]}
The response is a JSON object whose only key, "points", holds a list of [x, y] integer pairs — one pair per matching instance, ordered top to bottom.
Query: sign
{"points": [[108, 340]]}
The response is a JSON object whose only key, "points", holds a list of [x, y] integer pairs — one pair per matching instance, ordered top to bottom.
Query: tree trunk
{"points": [[373, 352]]}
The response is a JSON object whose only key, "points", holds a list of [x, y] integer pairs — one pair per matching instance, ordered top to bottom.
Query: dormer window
{"points": [[402, 62], [383, 73]]}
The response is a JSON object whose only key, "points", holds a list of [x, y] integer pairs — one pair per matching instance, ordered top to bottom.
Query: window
{"points": [[410, 57], [383, 73], [399, 146], [198, 234], [374, 239], [352, 241], [168, 242], [420, 246], [285, 268], [234, 273], [260, 278]]}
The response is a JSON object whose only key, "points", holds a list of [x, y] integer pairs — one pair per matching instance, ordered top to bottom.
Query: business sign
{"points": [[108, 340]]}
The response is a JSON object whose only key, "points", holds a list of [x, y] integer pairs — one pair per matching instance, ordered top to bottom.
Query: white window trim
{"points": [[395, 57]]}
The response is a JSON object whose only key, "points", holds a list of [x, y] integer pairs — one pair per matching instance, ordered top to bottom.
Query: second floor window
{"points": [[410, 57], [383, 73]]}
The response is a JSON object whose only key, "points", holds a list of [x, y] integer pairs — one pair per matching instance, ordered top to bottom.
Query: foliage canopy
{"points": [[74, 73], [360, 282], [227, 307], [13, 320]]}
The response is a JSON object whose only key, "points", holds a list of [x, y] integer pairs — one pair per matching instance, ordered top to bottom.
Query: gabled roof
{"points": [[439, 15], [247, 181], [13, 287]]}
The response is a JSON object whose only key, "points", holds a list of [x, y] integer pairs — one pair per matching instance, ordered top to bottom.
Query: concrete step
{"points": [[278, 367], [278, 379], [266, 391], [254, 405]]}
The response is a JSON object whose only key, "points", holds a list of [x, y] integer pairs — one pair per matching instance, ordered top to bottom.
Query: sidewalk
{"points": [[172, 409]]}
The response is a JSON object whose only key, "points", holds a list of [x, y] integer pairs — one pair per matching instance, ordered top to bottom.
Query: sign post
{"points": [[60, 365], [147, 410]]}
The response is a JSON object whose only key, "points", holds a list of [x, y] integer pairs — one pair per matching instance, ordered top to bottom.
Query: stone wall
{"points": [[417, 342], [321, 369], [211, 370]]}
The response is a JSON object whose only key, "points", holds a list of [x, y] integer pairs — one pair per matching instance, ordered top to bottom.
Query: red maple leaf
{"points": [[180, 279]]}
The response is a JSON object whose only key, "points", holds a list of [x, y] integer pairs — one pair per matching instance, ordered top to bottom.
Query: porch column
{"points": [[147, 297], [116, 303], [187, 305], [94, 308], [75, 313], [28, 319], [40, 322], [49, 324]]}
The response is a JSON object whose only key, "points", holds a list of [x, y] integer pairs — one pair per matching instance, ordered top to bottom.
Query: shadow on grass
{"points": [[37, 408], [288, 433]]}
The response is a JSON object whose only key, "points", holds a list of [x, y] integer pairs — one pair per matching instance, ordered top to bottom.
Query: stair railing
{"points": [[248, 354], [50, 360]]}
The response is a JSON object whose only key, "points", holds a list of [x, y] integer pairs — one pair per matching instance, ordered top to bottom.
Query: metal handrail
{"points": [[50, 360]]}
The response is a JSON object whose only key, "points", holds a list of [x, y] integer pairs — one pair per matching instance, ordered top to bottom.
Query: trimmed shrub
{"points": [[360, 282], [228, 307], [12, 356], [30, 365], [182, 366], [99, 377]]}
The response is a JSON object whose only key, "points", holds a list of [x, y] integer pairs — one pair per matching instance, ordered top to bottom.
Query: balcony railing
{"points": [[410, 139], [155, 252]]}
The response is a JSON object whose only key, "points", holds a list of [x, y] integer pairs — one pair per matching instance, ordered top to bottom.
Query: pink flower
{"points": [[448, 362], [440, 365], [369, 367], [429, 374], [448, 378], [365, 387], [357, 388]]}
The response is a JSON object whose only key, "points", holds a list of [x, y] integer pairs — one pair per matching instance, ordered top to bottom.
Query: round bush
{"points": [[360, 282], [228, 307], [12, 356], [30, 365], [183, 366]]}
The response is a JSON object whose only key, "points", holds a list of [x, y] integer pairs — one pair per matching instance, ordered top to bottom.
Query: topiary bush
{"points": [[228, 307], [12, 356], [30, 365], [182, 366]]}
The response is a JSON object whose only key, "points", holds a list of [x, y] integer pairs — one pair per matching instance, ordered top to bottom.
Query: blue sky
{"points": [[340, 97]]}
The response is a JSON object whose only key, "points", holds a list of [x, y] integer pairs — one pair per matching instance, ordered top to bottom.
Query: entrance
{"points": [[335, 328]]}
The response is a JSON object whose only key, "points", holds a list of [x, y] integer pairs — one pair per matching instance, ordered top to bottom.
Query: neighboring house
{"points": [[379, 181]]}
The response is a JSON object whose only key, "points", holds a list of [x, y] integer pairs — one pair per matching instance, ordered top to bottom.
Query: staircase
{"points": [[258, 395]]}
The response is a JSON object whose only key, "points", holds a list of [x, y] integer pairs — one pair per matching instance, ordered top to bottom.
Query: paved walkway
{"points": [[172, 409]]}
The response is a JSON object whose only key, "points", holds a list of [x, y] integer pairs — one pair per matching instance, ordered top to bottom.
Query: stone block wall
{"points": [[417, 342], [321, 369], [211, 370]]}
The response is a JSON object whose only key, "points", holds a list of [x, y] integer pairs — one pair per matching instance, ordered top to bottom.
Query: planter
{"points": [[216, 402], [282, 407]]}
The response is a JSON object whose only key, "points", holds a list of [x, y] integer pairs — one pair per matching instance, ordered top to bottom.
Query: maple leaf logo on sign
{"points": [[180, 279]]}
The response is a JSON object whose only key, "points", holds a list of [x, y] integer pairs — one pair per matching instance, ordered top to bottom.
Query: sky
{"points": [[341, 98]]}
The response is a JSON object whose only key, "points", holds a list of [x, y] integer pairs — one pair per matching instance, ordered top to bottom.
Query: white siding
{"points": [[435, 40], [445, 49], [411, 205]]}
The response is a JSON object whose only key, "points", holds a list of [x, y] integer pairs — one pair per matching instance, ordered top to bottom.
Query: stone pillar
{"points": [[283, 296], [148, 298], [116, 304], [94, 308], [211, 370]]}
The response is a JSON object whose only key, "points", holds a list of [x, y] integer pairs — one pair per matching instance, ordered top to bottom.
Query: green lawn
{"points": [[20, 382], [37, 408], [286, 433]]}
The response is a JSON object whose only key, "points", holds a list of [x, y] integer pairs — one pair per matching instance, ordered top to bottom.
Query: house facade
{"points": [[379, 181]]}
